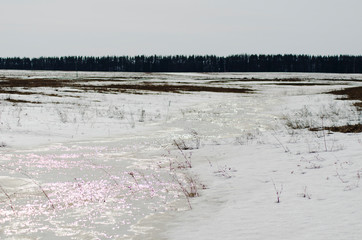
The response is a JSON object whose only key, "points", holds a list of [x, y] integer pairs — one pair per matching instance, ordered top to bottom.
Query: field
{"points": [[180, 156]]}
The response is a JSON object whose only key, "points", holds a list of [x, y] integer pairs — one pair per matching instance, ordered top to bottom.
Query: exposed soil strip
{"points": [[228, 80], [280, 80], [32, 83], [57, 83], [300, 84], [163, 88], [17, 92], [354, 93], [20, 101], [357, 128]]}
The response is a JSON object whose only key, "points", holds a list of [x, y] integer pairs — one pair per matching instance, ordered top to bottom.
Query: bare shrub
{"points": [[187, 157], [189, 187]]}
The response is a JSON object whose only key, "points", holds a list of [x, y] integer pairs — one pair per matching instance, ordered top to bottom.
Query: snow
{"points": [[93, 165]]}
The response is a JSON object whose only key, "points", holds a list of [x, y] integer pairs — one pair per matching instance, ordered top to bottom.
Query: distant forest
{"points": [[180, 63]]}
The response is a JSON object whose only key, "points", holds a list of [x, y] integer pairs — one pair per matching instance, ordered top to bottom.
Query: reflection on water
{"points": [[100, 190], [80, 191]]}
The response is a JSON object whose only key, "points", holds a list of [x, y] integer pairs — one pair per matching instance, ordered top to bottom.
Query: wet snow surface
{"points": [[81, 162]]}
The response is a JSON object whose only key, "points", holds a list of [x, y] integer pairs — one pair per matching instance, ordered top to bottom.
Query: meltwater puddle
{"points": [[110, 188], [98, 190]]}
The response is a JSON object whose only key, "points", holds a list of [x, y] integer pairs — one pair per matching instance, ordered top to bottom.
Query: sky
{"points": [[34, 28]]}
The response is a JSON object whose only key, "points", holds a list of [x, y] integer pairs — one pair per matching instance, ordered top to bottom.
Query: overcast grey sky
{"points": [[36, 28]]}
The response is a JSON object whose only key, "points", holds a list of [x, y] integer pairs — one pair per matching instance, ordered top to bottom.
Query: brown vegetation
{"points": [[229, 80], [299, 84], [7, 86], [135, 88], [354, 93], [20, 101], [356, 128]]}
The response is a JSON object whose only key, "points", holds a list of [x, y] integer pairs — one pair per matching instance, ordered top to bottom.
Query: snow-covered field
{"points": [[177, 156]]}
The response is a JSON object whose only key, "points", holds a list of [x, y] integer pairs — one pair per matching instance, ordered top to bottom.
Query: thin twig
{"points": [[281, 144], [7, 195]]}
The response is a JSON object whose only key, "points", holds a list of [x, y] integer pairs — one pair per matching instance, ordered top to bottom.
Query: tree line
{"points": [[193, 63]]}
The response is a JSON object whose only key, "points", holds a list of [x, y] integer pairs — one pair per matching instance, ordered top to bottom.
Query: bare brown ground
{"points": [[229, 80], [278, 80], [300, 84], [8, 85], [143, 88], [354, 93], [21, 101], [356, 128]]}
